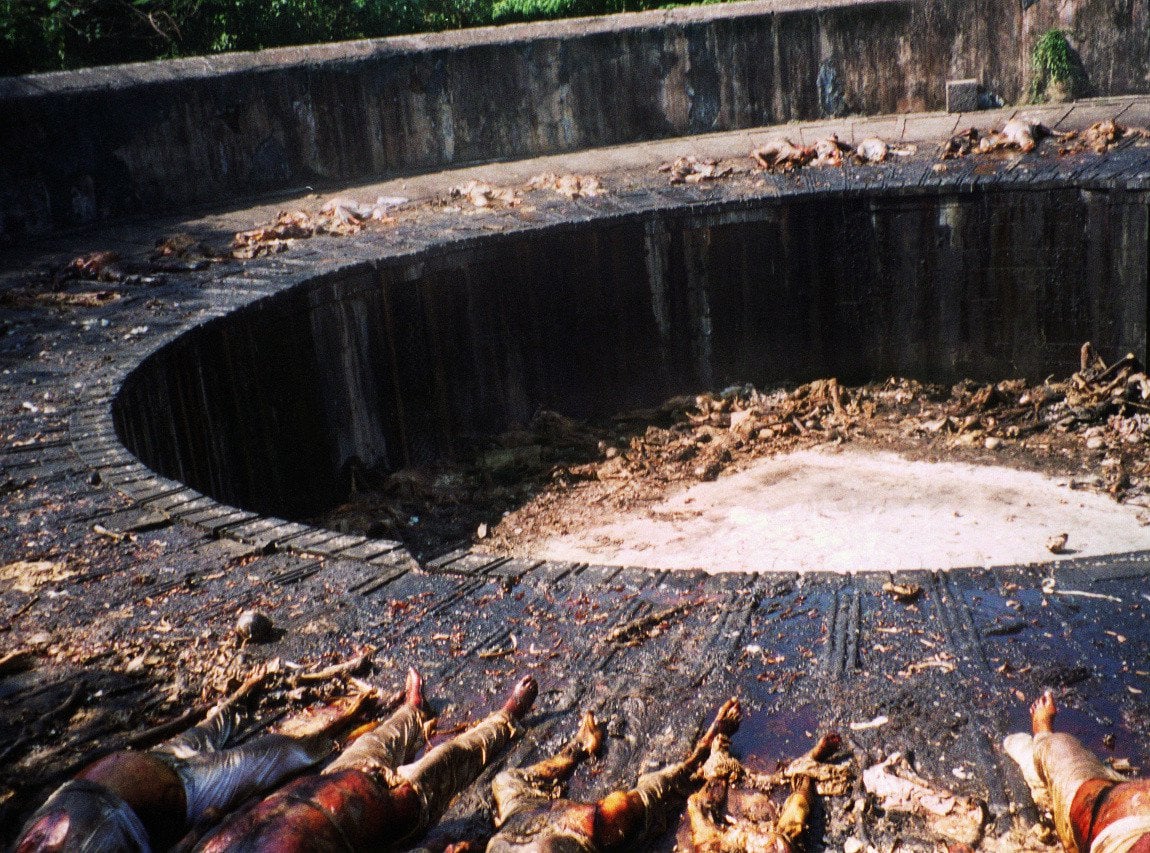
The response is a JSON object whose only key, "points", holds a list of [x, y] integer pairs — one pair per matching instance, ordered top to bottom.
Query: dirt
{"points": [[558, 475]]}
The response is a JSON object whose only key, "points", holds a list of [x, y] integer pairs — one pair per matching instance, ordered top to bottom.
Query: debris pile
{"points": [[1023, 135], [1100, 137], [782, 155], [692, 170], [568, 186], [482, 194], [338, 216], [1092, 428], [898, 789]]}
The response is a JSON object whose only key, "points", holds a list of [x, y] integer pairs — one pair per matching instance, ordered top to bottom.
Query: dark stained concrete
{"points": [[845, 651]]}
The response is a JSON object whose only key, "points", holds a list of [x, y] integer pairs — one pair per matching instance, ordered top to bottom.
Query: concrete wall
{"points": [[82, 146], [393, 362]]}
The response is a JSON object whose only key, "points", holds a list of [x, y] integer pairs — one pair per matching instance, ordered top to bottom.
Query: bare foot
{"points": [[413, 691], [522, 697], [1042, 713], [727, 719], [726, 722], [590, 734], [827, 746]]}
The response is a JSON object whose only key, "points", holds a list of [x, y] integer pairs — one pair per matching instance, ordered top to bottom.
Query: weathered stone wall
{"points": [[81, 146], [401, 361]]}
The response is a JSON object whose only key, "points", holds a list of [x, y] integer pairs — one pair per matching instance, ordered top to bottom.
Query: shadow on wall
{"points": [[391, 365]]}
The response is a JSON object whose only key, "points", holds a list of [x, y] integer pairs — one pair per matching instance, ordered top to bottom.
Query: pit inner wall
{"points": [[404, 360]]}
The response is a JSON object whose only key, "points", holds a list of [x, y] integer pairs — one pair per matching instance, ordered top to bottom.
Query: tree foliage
{"points": [[46, 35], [1054, 63]]}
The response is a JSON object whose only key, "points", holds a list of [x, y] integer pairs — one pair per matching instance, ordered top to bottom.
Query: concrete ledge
{"points": [[97, 144]]}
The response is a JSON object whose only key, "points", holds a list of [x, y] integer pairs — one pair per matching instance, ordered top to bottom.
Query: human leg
{"points": [[396, 740], [1064, 765], [449, 768], [522, 789], [629, 817]]}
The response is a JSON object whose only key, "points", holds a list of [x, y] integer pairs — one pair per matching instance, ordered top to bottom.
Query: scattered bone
{"points": [[960, 144], [875, 150], [830, 151], [782, 155], [690, 170], [569, 186], [484, 195], [1057, 544], [1050, 587], [904, 592], [637, 630], [943, 662], [877, 722], [948, 815]]}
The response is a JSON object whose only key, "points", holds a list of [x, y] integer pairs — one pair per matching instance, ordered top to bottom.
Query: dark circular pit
{"points": [[428, 339]]}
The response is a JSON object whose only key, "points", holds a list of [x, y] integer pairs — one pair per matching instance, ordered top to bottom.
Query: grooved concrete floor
{"points": [[806, 652]]}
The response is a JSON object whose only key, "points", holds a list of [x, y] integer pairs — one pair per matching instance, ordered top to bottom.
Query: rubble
{"points": [[780, 154], [691, 170], [568, 186], [483, 195], [558, 470], [897, 788]]}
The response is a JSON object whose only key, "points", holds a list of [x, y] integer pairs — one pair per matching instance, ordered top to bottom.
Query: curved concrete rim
{"points": [[94, 437]]}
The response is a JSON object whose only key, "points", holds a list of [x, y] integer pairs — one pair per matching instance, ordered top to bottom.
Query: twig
{"points": [[25, 607], [637, 627], [16, 661], [330, 672], [253, 681], [43, 723]]}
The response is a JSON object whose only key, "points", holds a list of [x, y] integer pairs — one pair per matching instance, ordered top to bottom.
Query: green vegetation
{"points": [[46, 35], [1056, 69]]}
